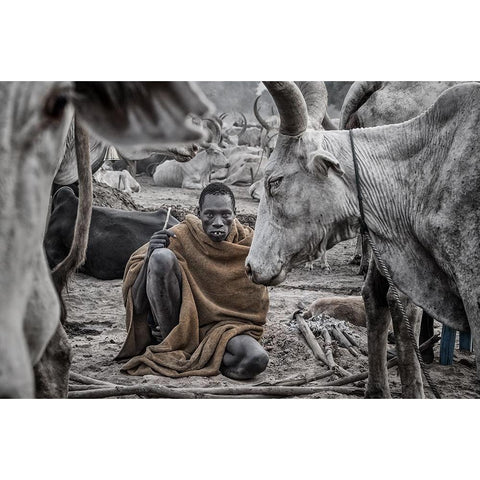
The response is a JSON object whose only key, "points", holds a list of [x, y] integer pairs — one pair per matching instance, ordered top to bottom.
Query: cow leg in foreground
{"points": [[374, 294], [408, 365], [52, 371]]}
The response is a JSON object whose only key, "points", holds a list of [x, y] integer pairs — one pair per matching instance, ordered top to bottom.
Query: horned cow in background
{"points": [[196, 173]]}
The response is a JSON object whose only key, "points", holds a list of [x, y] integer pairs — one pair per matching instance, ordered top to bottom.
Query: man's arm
{"points": [[141, 304]]}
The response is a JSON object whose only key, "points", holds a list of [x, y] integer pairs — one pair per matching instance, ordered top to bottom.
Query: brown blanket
{"points": [[218, 302]]}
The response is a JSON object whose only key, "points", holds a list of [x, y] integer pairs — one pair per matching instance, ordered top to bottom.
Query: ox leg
{"points": [[366, 255], [357, 256], [374, 294], [471, 302], [426, 332], [47, 341], [408, 365], [52, 371]]}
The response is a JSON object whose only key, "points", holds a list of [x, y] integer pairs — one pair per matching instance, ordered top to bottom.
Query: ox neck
{"points": [[387, 158]]}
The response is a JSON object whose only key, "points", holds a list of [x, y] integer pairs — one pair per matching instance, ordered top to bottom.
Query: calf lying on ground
{"points": [[193, 174], [121, 180]]}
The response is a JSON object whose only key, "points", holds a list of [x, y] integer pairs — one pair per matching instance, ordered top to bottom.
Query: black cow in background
{"points": [[114, 234]]}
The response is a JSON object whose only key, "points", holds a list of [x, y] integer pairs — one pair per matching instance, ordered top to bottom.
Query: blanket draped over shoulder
{"points": [[218, 302]]}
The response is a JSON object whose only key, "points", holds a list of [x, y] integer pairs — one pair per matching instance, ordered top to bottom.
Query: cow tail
{"points": [[75, 258]]}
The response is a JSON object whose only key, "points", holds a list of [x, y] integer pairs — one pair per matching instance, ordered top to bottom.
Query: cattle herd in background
{"points": [[196, 147], [234, 152]]}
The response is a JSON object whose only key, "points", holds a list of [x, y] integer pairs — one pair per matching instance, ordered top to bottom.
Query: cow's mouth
{"points": [[272, 281]]}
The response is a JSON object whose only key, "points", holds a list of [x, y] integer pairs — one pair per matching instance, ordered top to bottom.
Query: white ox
{"points": [[370, 104], [34, 121], [245, 166], [194, 174], [121, 180], [420, 182]]}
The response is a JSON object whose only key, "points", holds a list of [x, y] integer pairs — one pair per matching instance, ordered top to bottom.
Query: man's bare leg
{"points": [[164, 291], [244, 358]]}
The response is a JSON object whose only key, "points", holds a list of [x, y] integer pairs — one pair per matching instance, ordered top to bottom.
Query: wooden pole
{"points": [[337, 333], [77, 377], [299, 379], [156, 391]]}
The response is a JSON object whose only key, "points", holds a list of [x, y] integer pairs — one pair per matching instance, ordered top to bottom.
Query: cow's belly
{"points": [[417, 275]]}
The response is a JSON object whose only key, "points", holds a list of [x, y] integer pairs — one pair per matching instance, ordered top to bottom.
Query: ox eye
{"points": [[55, 106], [273, 184]]}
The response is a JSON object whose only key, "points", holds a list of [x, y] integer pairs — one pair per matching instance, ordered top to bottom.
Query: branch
{"points": [[311, 340], [391, 363], [77, 377], [299, 380], [156, 391]]}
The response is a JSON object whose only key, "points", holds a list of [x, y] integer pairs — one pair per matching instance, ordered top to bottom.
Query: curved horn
{"points": [[356, 96], [316, 98], [291, 107], [217, 119], [261, 121], [328, 123], [244, 126], [215, 128]]}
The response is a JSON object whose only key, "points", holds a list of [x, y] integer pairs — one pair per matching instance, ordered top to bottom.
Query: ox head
{"points": [[34, 121], [216, 161], [303, 187]]}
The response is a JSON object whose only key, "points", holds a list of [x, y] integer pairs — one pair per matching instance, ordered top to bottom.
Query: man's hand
{"points": [[160, 239]]}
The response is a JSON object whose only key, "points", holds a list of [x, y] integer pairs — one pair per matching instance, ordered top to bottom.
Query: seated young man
{"points": [[189, 302]]}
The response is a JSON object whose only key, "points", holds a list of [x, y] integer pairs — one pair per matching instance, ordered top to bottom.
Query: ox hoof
{"points": [[376, 393]]}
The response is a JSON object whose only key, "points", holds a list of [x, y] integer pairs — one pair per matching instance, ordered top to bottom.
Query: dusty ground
{"points": [[96, 317]]}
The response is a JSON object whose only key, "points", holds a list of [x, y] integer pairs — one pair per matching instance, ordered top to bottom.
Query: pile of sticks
{"points": [[322, 347]]}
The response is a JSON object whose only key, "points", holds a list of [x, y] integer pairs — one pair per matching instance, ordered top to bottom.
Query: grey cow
{"points": [[34, 122], [421, 186]]}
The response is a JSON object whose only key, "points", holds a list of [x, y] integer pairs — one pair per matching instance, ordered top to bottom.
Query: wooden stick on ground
{"points": [[340, 337], [349, 337], [311, 340], [354, 342], [329, 353], [391, 363], [77, 377], [299, 379], [85, 386], [165, 392]]}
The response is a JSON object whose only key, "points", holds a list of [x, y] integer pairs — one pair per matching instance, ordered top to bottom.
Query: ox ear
{"points": [[147, 114], [320, 161]]}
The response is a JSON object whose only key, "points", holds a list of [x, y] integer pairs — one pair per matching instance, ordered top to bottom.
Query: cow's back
{"points": [[114, 235]]}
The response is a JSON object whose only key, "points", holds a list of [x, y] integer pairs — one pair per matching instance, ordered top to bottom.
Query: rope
{"points": [[385, 272]]}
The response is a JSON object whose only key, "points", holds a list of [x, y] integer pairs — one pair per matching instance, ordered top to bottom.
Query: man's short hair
{"points": [[215, 188]]}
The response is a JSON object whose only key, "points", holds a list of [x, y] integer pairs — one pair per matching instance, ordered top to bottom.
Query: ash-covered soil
{"points": [[96, 325]]}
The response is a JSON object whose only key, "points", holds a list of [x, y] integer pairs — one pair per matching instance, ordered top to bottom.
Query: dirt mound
{"points": [[105, 196]]}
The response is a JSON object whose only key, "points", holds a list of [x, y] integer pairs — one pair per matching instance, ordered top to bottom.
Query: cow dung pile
{"points": [[106, 196]]}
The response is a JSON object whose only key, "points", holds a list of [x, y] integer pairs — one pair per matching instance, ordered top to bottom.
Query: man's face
{"points": [[217, 216]]}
